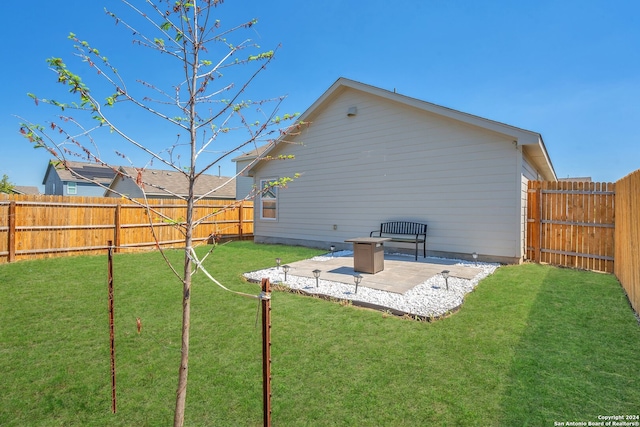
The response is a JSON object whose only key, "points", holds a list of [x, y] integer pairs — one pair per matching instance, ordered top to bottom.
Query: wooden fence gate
{"points": [[571, 224]]}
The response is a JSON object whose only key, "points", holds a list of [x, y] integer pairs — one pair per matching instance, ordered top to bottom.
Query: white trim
{"points": [[72, 188], [273, 190]]}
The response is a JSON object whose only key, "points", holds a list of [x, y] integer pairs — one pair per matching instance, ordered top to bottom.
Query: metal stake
{"points": [[112, 338], [266, 351]]}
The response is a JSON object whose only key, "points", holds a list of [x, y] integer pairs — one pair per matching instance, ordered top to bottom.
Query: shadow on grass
{"points": [[577, 357]]}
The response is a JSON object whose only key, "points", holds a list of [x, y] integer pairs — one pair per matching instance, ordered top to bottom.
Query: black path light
{"points": [[332, 248], [475, 258], [278, 261], [285, 268], [316, 274], [445, 274], [357, 279]]}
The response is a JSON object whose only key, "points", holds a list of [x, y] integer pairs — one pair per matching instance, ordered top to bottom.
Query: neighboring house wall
{"points": [[391, 161], [62, 182], [244, 182], [53, 185], [125, 186], [82, 189]]}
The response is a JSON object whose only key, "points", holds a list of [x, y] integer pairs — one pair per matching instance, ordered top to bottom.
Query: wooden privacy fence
{"points": [[571, 224], [45, 226], [594, 226], [627, 236]]}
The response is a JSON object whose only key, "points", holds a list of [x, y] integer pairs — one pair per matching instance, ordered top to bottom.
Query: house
{"points": [[372, 155], [577, 179], [70, 182], [244, 183], [166, 184], [25, 190]]}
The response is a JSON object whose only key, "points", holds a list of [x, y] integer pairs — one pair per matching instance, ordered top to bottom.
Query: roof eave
{"points": [[521, 136]]}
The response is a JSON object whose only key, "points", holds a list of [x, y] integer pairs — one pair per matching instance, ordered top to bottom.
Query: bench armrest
{"points": [[376, 231]]}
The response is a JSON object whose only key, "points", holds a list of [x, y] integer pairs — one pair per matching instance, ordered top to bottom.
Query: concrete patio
{"points": [[401, 273]]}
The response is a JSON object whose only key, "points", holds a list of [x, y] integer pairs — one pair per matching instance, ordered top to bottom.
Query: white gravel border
{"points": [[430, 299]]}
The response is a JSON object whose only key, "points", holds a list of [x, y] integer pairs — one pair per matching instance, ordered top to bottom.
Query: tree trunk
{"points": [[181, 393]]}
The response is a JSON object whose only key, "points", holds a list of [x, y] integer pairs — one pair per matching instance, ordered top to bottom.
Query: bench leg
{"points": [[424, 248], [416, 250]]}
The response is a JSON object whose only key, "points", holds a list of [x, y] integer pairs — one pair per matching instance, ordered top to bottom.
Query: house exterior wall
{"points": [[394, 162], [68, 182], [244, 184], [53, 185], [124, 186], [84, 189]]}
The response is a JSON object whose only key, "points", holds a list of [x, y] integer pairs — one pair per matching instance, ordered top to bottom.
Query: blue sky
{"points": [[569, 70]]}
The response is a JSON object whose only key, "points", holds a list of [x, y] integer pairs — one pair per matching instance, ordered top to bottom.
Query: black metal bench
{"points": [[396, 229]]}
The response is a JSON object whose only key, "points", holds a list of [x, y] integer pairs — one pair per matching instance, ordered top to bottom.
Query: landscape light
{"points": [[278, 261], [285, 268], [316, 274], [445, 274], [357, 278]]}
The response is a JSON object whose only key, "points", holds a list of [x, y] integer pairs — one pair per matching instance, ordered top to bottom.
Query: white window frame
{"points": [[72, 188], [269, 197]]}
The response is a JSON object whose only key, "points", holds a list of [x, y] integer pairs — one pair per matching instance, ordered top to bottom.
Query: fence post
{"points": [[240, 219], [533, 219], [117, 223], [11, 243]]}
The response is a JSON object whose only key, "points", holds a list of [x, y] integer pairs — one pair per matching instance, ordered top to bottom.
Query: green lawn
{"points": [[532, 345]]}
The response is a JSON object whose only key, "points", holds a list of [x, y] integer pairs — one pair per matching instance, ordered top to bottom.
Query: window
{"points": [[72, 188], [268, 200]]}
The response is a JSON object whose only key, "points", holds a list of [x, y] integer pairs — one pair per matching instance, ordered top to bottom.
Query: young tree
{"points": [[202, 105], [5, 185]]}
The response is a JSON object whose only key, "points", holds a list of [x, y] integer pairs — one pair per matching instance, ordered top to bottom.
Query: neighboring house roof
{"points": [[532, 143], [252, 154], [93, 171], [577, 179], [164, 183], [25, 189]]}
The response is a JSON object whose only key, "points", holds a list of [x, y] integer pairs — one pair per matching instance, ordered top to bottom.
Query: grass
{"points": [[532, 345]]}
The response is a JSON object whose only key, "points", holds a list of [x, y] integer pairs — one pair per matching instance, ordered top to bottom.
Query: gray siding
{"points": [[392, 161], [244, 184], [53, 185], [126, 186], [85, 189]]}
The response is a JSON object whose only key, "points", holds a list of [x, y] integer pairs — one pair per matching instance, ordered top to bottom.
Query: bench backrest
{"points": [[403, 227]]}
